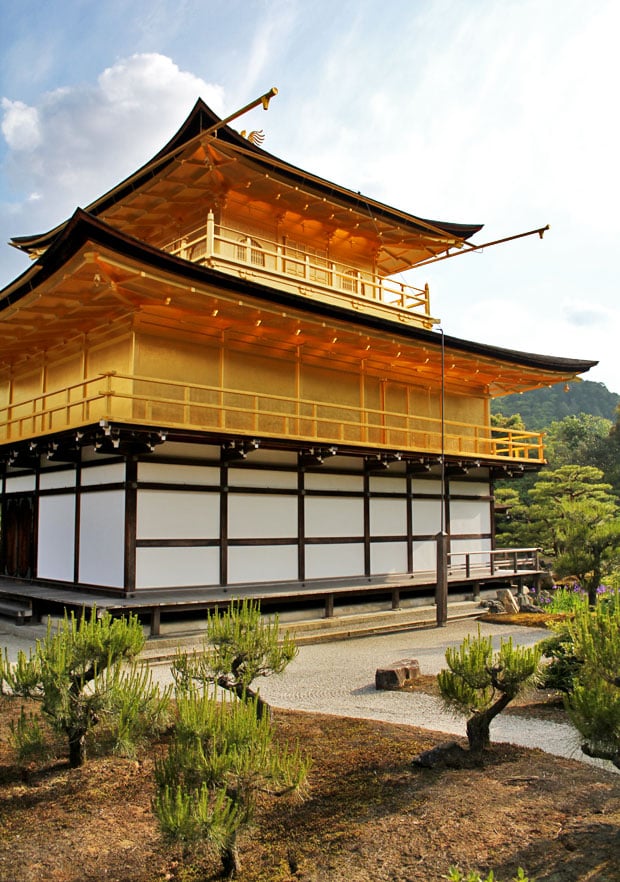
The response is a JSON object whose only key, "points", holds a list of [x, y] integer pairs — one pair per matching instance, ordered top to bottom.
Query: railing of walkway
{"points": [[148, 401]]}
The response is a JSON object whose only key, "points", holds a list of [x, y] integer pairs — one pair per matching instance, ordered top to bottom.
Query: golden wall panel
{"points": [[255, 373]]}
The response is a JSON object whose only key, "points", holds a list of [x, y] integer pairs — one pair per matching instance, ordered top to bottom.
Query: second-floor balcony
{"points": [[296, 267], [166, 404]]}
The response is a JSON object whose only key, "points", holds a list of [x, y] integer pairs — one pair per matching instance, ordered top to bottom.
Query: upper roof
{"points": [[200, 168]]}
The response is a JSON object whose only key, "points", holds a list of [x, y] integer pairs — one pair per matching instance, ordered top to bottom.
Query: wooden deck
{"points": [[39, 599]]}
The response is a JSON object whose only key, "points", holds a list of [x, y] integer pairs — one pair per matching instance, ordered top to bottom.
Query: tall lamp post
{"points": [[441, 588]]}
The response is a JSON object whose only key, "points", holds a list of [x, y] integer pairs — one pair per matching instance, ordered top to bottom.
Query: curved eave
{"points": [[202, 118], [84, 229]]}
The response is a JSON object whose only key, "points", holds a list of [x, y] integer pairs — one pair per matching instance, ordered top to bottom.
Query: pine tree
{"points": [[239, 646], [76, 674], [480, 683], [594, 704], [221, 757]]}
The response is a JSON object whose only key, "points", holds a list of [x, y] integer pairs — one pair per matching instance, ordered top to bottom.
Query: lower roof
{"points": [[92, 273]]}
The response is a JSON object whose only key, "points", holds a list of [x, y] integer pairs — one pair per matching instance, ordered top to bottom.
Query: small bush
{"points": [[564, 665], [28, 738], [455, 875]]}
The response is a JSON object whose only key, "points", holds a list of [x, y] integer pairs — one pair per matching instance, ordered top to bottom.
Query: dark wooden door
{"points": [[18, 537]]}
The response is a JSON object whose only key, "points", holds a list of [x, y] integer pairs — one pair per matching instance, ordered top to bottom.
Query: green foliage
{"points": [[575, 440], [573, 516], [240, 646], [564, 665], [76, 675], [480, 683], [594, 704], [137, 711], [28, 738], [221, 757], [191, 817], [455, 875]]}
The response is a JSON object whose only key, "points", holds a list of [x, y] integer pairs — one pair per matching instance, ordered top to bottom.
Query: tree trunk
{"points": [[592, 586], [244, 693], [478, 725], [77, 748], [230, 859]]}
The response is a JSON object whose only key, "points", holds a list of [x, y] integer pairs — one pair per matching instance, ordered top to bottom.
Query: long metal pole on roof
{"points": [[469, 248]]}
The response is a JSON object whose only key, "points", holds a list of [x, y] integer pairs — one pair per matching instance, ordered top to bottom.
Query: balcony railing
{"points": [[289, 266], [147, 401]]}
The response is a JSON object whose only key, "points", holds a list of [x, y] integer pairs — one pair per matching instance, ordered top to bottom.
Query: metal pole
{"points": [[540, 231], [441, 589]]}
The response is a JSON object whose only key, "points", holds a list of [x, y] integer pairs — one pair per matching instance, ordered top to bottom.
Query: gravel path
{"points": [[339, 678]]}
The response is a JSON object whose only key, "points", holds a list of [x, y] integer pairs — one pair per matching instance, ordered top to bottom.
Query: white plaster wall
{"points": [[109, 473], [163, 473], [262, 478], [52, 480], [325, 481], [20, 483], [387, 485], [425, 486], [469, 488], [176, 514], [259, 516], [334, 516], [426, 516], [388, 517], [470, 517], [56, 537], [102, 538], [424, 556], [388, 557], [324, 561], [262, 563], [177, 567]]}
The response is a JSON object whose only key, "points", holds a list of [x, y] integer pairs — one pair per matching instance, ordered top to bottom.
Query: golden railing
{"points": [[234, 251], [146, 401]]}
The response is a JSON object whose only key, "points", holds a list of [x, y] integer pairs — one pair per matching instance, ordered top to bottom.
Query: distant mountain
{"points": [[542, 406]]}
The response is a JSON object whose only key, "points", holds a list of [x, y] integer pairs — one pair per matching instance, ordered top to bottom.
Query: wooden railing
{"points": [[288, 265], [169, 404], [499, 561]]}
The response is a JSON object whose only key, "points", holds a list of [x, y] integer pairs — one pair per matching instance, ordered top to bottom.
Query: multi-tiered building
{"points": [[213, 376]]}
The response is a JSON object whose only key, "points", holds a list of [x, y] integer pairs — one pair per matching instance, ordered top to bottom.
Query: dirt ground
{"points": [[369, 816]]}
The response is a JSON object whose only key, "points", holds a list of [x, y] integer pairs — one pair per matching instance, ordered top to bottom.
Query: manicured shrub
{"points": [[240, 645], [84, 675], [480, 683], [221, 757]]}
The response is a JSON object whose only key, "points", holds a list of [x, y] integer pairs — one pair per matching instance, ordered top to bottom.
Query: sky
{"points": [[502, 113]]}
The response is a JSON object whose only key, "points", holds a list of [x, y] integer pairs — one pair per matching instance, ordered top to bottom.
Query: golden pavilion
{"points": [[213, 379]]}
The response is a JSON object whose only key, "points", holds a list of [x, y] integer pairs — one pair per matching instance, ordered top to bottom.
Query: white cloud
{"points": [[20, 125], [79, 141]]}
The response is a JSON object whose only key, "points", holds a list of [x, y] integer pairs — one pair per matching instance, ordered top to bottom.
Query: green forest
{"points": [[541, 407]]}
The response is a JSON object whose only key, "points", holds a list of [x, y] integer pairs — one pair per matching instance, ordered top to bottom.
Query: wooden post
{"points": [[210, 244], [441, 590], [395, 598], [329, 606], [155, 621]]}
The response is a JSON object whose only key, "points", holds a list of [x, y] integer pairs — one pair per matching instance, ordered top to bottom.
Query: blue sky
{"points": [[503, 113]]}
